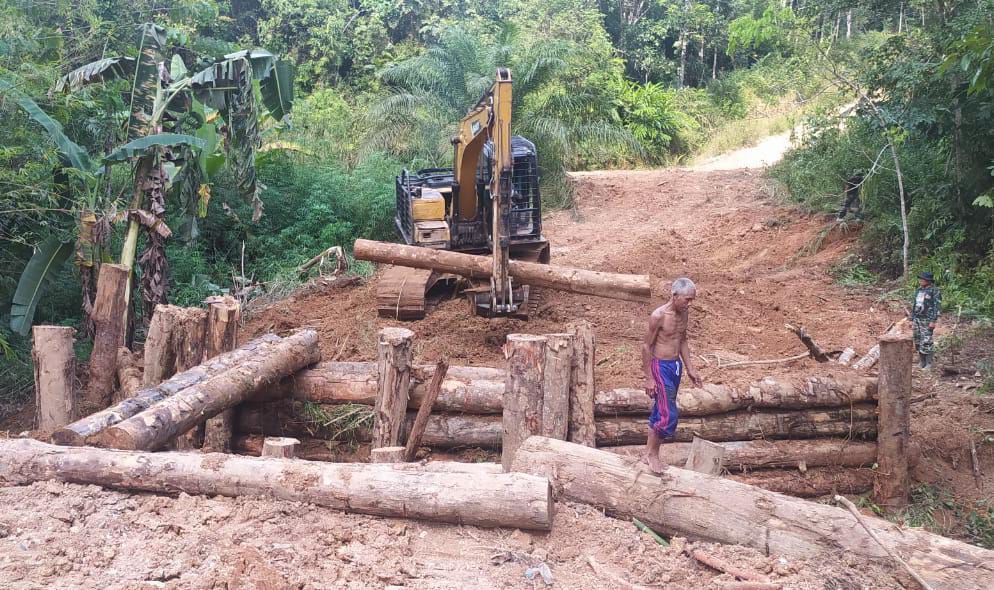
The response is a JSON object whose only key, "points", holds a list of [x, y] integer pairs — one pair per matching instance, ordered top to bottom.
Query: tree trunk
{"points": [[900, 19], [849, 24], [714, 64], [587, 282], [224, 317], [109, 319], [175, 342], [394, 369], [129, 375], [55, 376], [556, 391], [813, 392], [522, 416], [421, 420], [860, 422], [159, 424], [582, 429], [79, 432], [279, 446], [760, 454], [814, 483], [892, 486], [512, 500], [715, 509]]}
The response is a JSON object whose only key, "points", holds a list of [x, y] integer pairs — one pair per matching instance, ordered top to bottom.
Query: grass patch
{"points": [[851, 272], [342, 423]]}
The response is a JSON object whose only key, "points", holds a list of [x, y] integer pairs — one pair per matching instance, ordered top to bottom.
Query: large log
{"points": [[588, 282], [224, 315], [109, 318], [175, 342], [55, 376], [393, 385], [556, 391], [813, 392], [522, 416], [859, 422], [159, 424], [582, 429], [79, 432], [759, 454], [813, 483], [893, 485], [482, 499], [689, 504]]}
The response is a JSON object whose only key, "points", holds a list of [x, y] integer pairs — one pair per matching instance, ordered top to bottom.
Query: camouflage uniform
{"points": [[925, 311]]}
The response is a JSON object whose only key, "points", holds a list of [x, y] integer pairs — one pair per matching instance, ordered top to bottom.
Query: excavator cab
{"points": [[488, 203]]}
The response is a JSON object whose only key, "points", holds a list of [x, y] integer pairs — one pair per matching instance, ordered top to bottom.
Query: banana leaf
{"points": [[104, 70], [145, 80], [277, 89], [140, 146], [69, 151], [48, 258]]}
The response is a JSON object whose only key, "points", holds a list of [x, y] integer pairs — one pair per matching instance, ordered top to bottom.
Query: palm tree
{"points": [[431, 92]]}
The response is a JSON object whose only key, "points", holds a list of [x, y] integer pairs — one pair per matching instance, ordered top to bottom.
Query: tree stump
{"points": [[109, 319], [223, 320], [175, 342], [394, 364], [55, 376], [558, 378], [523, 394], [582, 429], [279, 446], [387, 455], [705, 457], [891, 487]]}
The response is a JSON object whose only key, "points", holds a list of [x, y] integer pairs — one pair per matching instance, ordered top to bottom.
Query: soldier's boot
{"points": [[923, 360], [927, 361]]}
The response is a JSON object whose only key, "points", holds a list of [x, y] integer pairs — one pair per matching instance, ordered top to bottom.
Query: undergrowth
{"points": [[342, 423]]}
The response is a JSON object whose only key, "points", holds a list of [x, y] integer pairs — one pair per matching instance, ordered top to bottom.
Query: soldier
{"points": [[852, 200], [924, 315]]}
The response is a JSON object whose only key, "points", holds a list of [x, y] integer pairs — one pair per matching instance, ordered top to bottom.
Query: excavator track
{"points": [[402, 292]]}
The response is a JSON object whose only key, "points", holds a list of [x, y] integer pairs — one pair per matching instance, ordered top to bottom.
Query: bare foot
{"points": [[655, 465]]}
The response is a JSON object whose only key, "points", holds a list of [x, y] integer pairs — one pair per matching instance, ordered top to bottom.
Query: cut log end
{"points": [[279, 446], [387, 455]]}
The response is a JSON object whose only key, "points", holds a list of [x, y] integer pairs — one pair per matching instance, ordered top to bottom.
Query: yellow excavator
{"points": [[488, 203]]}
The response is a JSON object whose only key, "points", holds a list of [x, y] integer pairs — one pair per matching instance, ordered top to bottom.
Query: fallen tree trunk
{"points": [[588, 282], [859, 422], [159, 424], [79, 432], [758, 454], [813, 483], [504, 500], [716, 509]]}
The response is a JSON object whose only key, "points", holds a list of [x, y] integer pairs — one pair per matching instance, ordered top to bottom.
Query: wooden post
{"points": [[224, 316], [108, 317], [175, 342], [129, 375], [55, 376], [558, 378], [393, 387], [523, 407], [421, 420], [582, 430], [279, 446], [387, 455], [705, 457], [891, 487]]}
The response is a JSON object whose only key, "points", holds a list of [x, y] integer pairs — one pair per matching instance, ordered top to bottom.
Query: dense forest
{"points": [[216, 145]]}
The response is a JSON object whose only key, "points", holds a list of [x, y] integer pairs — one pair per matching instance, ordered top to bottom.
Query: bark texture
{"points": [[224, 317], [109, 320], [175, 342], [394, 370], [558, 374], [129, 375], [55, 376], [523, 397], [421, 420], [582, 429], [279, 446], [758, 454], [387, 455], [893, 482], [813, 483], [481, 499], [684, 503]]}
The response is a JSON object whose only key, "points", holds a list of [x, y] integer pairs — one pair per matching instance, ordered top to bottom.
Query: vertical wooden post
{"points": [[224, 317], [109, 319], [175, 342], [55, 376], [558, 378], [393, 386], [523, 403], [427, 404], [582, 429], [279, 446], [890, 490]]}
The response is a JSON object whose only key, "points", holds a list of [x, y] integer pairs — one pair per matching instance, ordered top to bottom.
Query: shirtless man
{"points": [[665, 353]]}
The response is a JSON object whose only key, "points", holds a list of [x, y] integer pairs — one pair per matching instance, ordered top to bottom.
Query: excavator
{"points": [[487, 203]]}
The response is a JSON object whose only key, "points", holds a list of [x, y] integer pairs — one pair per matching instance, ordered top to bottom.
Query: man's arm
{"points": [[935, 308], [647, 344], [686, 357]]}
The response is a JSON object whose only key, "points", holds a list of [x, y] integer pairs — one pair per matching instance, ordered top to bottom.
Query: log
{"points": [[341, 261], [587, 282], [224, 317], [109, 321], [175, 342], [813, 349], [873, 355], [847, 356], [129, 375], [54, 376], [393, 385], [556, 391], [812, 392], [522, 416], [421, 420], [859, 422], [159, 424], [582, 429], [79, 432], [279, 446], [758, 454], [387, 455], [705, 457], [813, 483], [893, 484], [493, 500], [702, 507]]}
